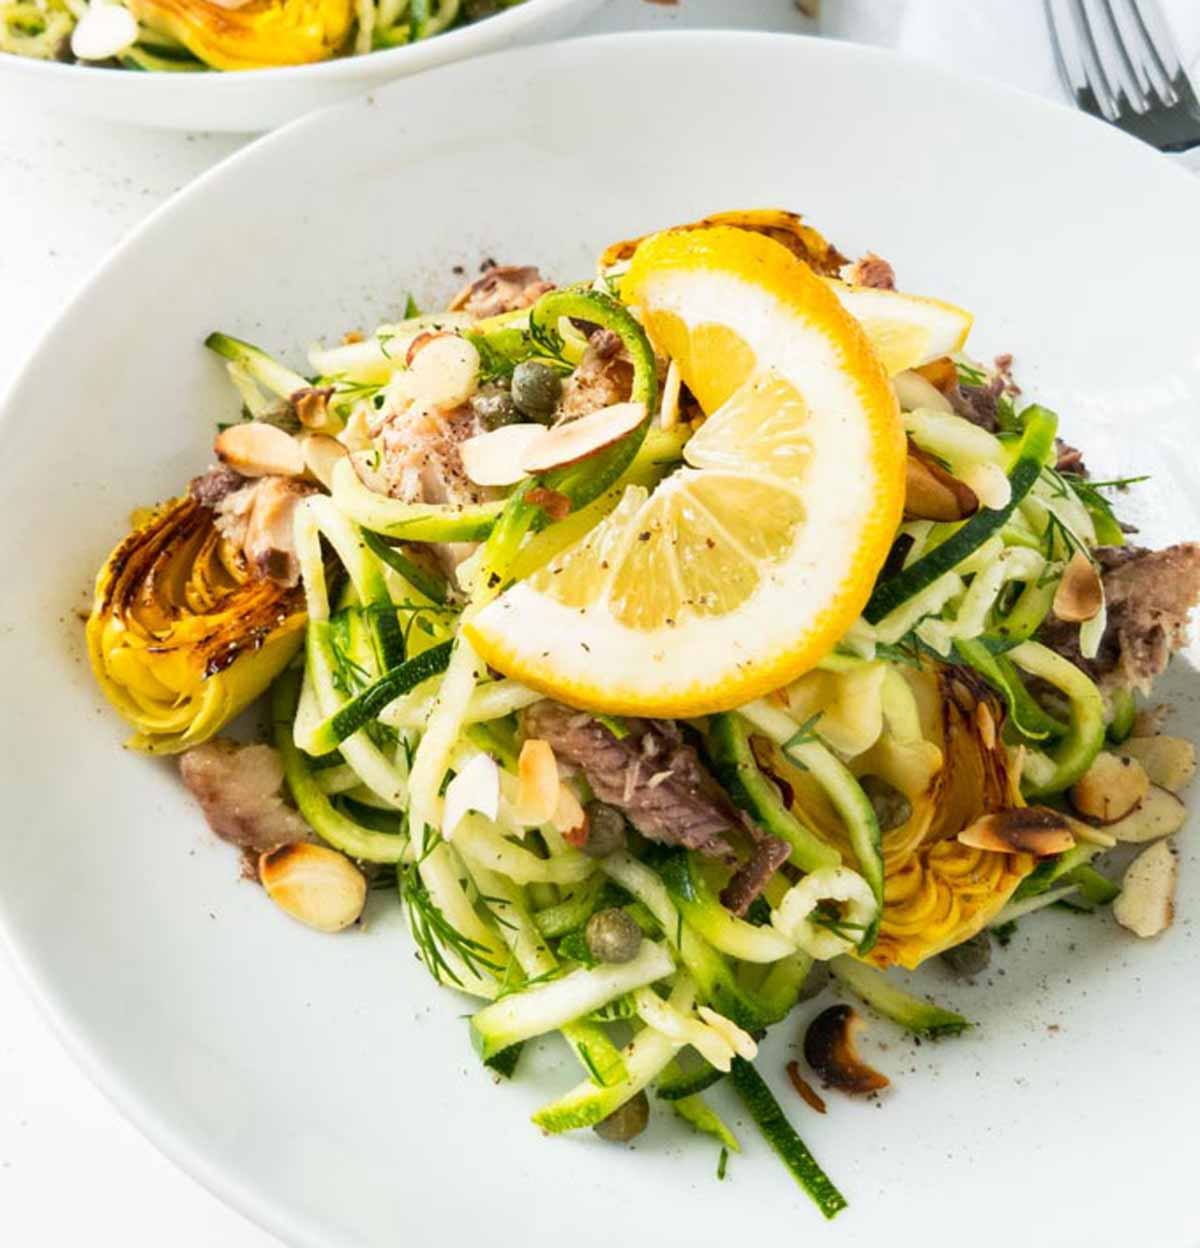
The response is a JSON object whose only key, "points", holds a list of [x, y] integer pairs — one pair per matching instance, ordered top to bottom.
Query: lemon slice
{"points": [[905, 330], [744, 567]]}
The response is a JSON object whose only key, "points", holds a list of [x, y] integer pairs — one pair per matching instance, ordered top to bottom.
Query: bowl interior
{"points": [[324, 1085]]}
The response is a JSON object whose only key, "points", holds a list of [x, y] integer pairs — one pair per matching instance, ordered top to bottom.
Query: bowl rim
{"points": [[371, 66], [116, 1082]]}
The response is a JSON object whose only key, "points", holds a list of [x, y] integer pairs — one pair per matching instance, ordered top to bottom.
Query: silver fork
{"points": [[1119, 61]]}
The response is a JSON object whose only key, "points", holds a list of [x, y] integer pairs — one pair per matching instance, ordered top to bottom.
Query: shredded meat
{"points": [[872, 270], [502, 288], [603, 377], [978, 403], [1069, 458], [421, 460], [216, 485], [258, 519], [1149, 595], [651, 774], [238, 788], [666, 792], [749, 880]]}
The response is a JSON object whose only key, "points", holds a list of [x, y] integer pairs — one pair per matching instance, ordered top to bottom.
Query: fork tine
{"points": [[1157, 32], [1139, 43], [1093, 67], [1138, 82]]}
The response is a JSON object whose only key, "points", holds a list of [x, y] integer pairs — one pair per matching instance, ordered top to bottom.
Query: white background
{"points": [[71, 1169]]}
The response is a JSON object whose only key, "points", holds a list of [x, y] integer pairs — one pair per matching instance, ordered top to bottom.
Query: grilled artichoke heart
{"points": [[255, 35], [182, 636], [937, 892]]}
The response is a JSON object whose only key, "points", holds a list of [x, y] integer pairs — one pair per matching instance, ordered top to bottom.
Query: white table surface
{"points": [[71, 1169]]}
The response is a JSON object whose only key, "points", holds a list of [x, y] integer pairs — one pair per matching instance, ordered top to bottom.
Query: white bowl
{"points": [[261, 99], [323, 1084]]}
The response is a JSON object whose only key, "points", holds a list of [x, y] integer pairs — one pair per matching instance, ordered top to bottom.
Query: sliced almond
{"points": [[104, 31], [444, 371], [311, 406], [576, 440], [258, 450], [321, 452], [496, 458], [931, 493], [1080, 593], [1169, 761], [537, 783], [476, 787], [1110, 788], [1158, 814], [569, 817], [1022, 830], [315, 884], [1146, 905]]}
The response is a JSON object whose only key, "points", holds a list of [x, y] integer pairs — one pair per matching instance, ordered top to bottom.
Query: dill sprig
{"points": [[436, 936]]}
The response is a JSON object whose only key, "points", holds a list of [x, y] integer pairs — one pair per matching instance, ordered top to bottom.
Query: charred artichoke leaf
{"points": [[255, 35], [784, 227], [182, 636]]}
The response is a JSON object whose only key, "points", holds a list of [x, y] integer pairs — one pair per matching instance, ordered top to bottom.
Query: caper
{"points": [[536, 389], [494, 407], [892, 809], [605, 830], [612, 936], [971, 958], [815, 982], [623, 1124]]}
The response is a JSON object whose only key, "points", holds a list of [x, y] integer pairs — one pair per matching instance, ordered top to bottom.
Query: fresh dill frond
{"points": [[436, 936]]}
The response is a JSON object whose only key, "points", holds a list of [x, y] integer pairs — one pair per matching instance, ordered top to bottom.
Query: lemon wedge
{"points": [[905, 330], [743, 568]]}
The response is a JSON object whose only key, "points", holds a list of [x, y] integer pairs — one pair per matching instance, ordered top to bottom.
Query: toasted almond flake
{"points": [[104, 31], [444, 371], [576, 440], [258, 450], [321, 452], [496, 458], [931, 493], [1080, 594], [986, 724], [1169, 761], [537, 782], [476, 787], [1110, 788], [1158, 814], [569, 817], [1022, 830], [314, 884], [1146, 905], [741, 1042]]}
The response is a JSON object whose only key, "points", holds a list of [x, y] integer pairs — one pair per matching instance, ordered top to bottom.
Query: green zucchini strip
{"points": [[268, 372], [1037, 442], [366, 706], [1124, 713], [1025, 714], [1074, 753], [734, 762], [842, 789], [327, 822], [703, 911], [572, 912], [714, 977], [881, 994], [548, 1006], [597, 1054], [646, 1057], [676, 1084], [696, 1110], [782, 1137]]}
